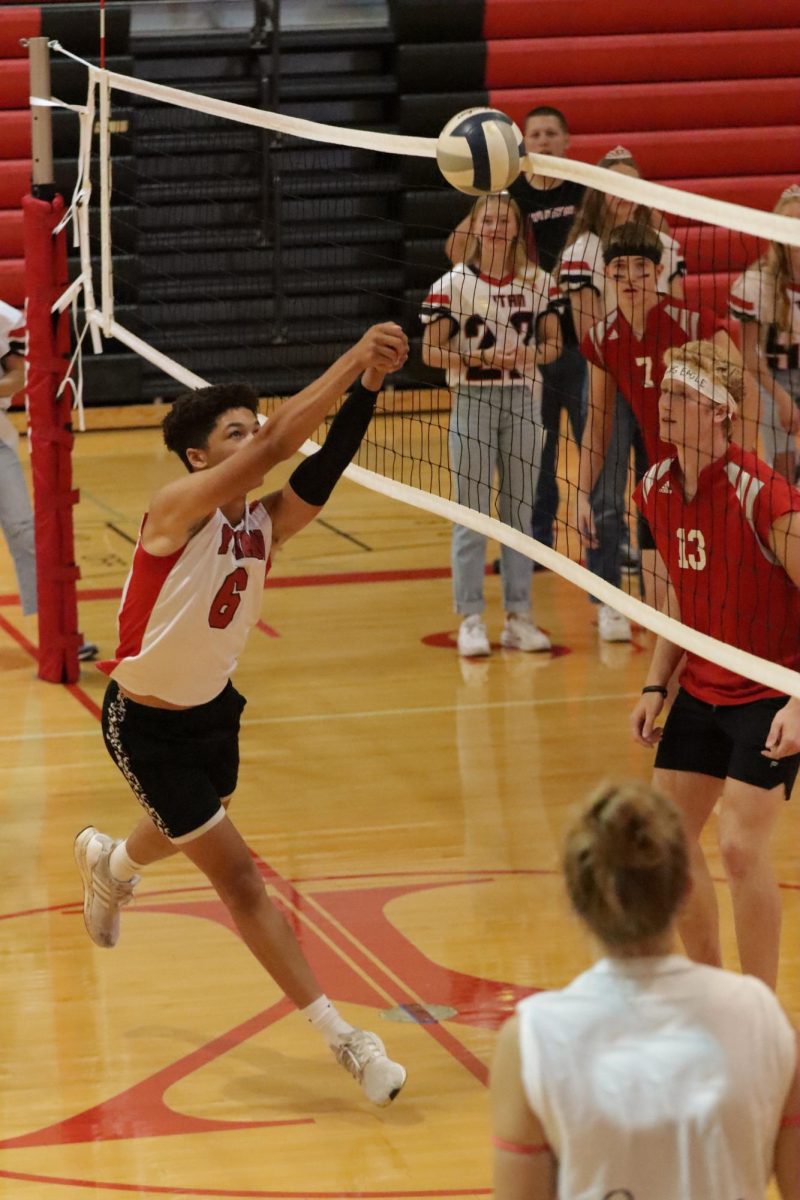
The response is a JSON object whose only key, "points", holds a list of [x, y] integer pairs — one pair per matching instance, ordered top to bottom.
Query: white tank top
{"points": [[185, 617], [658, 1079]]}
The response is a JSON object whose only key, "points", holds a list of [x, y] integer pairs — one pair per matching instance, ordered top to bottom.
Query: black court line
{"points": [[121, 532], [347, 536]]}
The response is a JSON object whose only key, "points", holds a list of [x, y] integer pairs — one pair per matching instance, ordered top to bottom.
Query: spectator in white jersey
{"points": [[548, 206], [583, 281], [766, 300], [480, 325], [171, 714], [648, 1077]]}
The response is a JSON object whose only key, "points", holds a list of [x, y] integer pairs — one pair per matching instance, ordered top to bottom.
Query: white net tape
{"points": [[771, 227]]}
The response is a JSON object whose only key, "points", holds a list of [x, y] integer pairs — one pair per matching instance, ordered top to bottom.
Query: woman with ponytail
{"points": [[649, 1077]]}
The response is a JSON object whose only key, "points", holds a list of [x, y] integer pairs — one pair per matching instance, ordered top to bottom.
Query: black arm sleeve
{"points": [[316, 477]]}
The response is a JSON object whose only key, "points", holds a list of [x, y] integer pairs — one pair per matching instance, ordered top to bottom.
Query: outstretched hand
{"points": [[383, 347]]}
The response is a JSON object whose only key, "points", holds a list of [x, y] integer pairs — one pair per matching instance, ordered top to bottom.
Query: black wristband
{"points": [[656, 687]]}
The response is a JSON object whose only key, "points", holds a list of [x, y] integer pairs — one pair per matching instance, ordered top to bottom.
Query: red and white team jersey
{"points": [[582, 266], [753, 298], [485, 312], [637, 365], [728, 582], [185, 617]]}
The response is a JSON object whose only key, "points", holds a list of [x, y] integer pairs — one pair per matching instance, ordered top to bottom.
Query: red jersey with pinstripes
{"points": [[637, 364], [729, 584], [185, 617]]}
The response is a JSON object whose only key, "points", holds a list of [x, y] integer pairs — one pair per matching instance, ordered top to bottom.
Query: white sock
{"points": [[121, 865], [326, 1020]]}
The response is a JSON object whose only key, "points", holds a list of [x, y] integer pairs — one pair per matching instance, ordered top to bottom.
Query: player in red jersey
{"points": [[626, 351], [727, 527], [171, 714]]}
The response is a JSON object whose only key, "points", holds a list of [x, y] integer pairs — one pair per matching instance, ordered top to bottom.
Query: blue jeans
{"points": [[564, 387], [493, 427], [16, 519]]}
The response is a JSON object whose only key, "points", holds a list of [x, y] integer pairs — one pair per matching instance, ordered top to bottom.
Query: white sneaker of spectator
{"points": [[612, 625], [520, 633], [473, 640]]}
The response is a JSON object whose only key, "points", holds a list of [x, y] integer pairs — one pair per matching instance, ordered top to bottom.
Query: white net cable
{"points": [[396, 454]]}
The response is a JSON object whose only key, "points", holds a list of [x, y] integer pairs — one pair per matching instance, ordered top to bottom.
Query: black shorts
{"points": [[725, 741], [179, 763]]}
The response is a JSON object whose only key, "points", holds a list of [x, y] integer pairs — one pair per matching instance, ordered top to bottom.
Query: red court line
{"points": [[19, 638], [373, 971], [161, 1190]]}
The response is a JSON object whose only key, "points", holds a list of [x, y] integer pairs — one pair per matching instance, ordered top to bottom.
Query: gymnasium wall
{"points": [[707, 97]]}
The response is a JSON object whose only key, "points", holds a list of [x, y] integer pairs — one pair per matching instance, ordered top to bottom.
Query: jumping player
{"points": [[625, 351], [728, 529], [171, 714], [648, 1077]]}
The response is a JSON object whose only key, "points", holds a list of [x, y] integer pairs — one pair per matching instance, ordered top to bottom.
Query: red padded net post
{"points": [[51, 441]]}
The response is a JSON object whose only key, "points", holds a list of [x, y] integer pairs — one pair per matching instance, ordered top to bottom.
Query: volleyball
{"points": [[478, 151]]}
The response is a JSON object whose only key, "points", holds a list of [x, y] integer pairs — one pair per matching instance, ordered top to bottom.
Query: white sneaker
{"points": [[612, 625], [520, 633], [473, 640], [103, 896], [364, 1055]]}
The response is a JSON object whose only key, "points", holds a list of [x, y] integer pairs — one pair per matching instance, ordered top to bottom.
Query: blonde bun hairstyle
{"points": [[626, 864]]}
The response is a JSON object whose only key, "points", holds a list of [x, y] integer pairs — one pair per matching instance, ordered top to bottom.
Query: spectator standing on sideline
{"points": [[549, 206]]}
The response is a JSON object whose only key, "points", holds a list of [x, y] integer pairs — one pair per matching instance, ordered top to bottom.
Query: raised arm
{"points": [[310, 485], [177, 509], [524, 1165]]}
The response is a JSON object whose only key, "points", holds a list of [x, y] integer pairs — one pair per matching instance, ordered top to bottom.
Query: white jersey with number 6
{"points": [[185, 617]]}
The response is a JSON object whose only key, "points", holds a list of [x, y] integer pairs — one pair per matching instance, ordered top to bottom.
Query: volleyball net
{"points": [[217, 242]]}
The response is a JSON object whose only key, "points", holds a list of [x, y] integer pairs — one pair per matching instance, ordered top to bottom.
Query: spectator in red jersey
{"points": [[582, 279], [765, 299], [625, 353], [727, 531]]}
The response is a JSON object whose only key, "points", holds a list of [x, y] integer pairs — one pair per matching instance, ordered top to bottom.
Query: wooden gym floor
{"points": [[408, 811]]}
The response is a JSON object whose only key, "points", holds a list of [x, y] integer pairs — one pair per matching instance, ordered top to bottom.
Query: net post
{"points": [[42, 185], [49, 413]]}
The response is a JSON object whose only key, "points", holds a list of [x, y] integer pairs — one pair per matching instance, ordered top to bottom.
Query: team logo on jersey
{"points": [[247, 543]]}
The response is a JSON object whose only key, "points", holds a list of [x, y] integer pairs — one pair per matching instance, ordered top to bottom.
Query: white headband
{"points": [[714, 392]]}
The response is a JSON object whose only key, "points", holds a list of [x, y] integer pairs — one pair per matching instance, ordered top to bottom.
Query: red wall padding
{"points": [[566, 18], [16, 23], [642, 57], [14, 89], [661, 105], [15, 134], [668, 153], [15, 180], [760, 191], [11, 245], [709, 248], [12, 281]]}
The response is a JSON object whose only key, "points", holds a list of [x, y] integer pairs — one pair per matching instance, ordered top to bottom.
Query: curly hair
{"points": [[193, 416]]}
